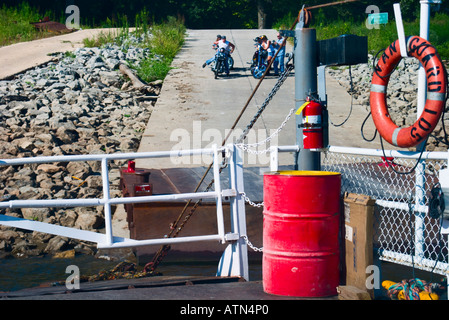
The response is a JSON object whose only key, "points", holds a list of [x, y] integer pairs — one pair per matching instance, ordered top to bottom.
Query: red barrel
{"points": [[301, 233]]}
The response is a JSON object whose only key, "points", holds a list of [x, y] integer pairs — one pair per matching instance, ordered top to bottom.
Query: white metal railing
{"points": [[363, 171], [360, 174], [405, 232], [238, 267]]}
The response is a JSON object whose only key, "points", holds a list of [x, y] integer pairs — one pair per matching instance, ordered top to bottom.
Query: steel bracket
{"points": [[288, 33], [232, 236]]}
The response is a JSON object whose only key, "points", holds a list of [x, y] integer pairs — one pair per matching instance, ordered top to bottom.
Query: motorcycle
{"points": [[230, 58], [259, 61], [219, 62], [230, 62]]}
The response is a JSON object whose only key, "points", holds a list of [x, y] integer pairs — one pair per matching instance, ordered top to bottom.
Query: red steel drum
{"points": [[301, 233]]}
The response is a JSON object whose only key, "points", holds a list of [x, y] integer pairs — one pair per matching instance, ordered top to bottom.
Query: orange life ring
{"points": [[436, 93]]}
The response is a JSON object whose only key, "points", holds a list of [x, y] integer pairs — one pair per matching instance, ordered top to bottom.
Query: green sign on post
{"points": [[375, 19]]}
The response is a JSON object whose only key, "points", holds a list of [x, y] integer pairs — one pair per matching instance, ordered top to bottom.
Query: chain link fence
{"points": [[404, 233]]}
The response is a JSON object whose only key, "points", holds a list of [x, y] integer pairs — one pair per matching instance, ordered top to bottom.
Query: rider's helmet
{"points": [[218, 36], [263, 37]]}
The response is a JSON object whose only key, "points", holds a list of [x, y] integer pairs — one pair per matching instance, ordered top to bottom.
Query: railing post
{"points": [[400, 29], [274, 159], [420, 183], [106, 199], [219, 201], [234, 261]]}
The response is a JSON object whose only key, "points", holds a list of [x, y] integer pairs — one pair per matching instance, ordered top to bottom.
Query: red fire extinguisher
{"points": [[312, 124]]}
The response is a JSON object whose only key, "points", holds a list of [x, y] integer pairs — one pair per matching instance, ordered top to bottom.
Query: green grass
{"points": [[15, 24], [119, 31], [439, 34], [101, 39], [166, 40], [152, 69]]}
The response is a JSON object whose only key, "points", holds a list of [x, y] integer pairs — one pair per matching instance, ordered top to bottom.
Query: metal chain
{"points": [[273, 92], [247, 147], [253, 204], [257, 205], [175, 229], [251, 245]]}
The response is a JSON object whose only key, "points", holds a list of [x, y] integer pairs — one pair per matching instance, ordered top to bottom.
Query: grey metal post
{"points": [[305, 85], [420, 177]]}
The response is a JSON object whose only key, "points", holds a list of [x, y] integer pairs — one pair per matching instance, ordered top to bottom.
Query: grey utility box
{"points": [[345, 50]]}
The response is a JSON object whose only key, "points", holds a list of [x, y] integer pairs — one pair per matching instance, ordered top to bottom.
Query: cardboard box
{"points": [[358, 215]]}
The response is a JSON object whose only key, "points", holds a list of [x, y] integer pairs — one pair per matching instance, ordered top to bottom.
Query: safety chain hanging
{"points": [[270, 96], [248, 147], [251, 203], [251, 245]]}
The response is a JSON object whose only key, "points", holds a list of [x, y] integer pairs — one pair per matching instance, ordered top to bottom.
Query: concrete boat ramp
{"points": [[194, 111]]}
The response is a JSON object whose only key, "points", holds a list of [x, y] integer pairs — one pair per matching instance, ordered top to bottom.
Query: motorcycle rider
{"points": [[215, 44], [279, 45], [268, 46], [215, 47], [229, 48]]}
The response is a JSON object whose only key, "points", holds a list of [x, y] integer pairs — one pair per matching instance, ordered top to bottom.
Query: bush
{"points": [[15, 24], [167, 39], [153, 69]]}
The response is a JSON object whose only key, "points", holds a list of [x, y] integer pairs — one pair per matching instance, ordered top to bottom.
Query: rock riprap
{"points": [[78, 104]]}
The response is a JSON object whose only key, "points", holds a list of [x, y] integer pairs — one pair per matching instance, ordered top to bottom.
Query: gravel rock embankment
{"points": [[401, 95], [80, 104]]}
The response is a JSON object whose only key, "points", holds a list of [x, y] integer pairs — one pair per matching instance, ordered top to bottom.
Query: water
{"points": [[17, 274]]}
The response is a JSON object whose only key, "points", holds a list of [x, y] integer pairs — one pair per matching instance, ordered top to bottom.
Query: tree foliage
{"points": [[213, 14]]}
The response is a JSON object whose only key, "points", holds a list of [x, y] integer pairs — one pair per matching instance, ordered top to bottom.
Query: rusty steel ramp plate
{"points": [[51, 26], [185, 180], [154, 220]]}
